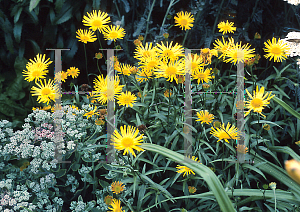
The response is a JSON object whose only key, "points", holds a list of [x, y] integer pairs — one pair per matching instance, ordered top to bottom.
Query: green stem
{"points": [[117, 9], [167, 12], [217, 17], [148, 19], [98, 36], [185, 37], [98, 67], [87, 73], [94, 177], [275, 199]]}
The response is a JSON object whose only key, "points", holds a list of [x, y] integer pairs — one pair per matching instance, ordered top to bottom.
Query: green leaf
{"points": [[33, 4], [58, 5], [17, 14], [64, 15], [9, 42], [35, 46], [281, 91], [287, 107], [6, 110], [75, 166], [202, 170], [61, 173], [103, 183]]}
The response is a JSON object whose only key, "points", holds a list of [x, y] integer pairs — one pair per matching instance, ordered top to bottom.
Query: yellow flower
{"points": [[96, 20], [184, 20], [226, 27], [113, 33], [85, 36], [257, 36], [141, 38], [137, 42], [223, 47], [276, 49], [169, 52], [143, 53], [238, 53], [206, 55], [98, 56], [39, 62], [194, 62], [151, 63], [125, 69], [170, 70], [72, 71], [34, 73], [144, 75], [62, 76], [205, 76], [45, 92], [102, 92], [167, 93], [91, 97], [126, 99], [258, 101], [89, 114], [205, 116], [217, 124], [267, 127], [222, 133], [128, 139], [298, 142], [242, 149], [292, 167], [186, 170], [117, 187], [192, 189], [108, 200], [116, 206]]}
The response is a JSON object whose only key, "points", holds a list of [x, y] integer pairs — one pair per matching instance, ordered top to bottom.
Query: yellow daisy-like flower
{"points": [[96, 20], [184, 20], [226, 27], [113, 33], [86, 35], [223, 47], [276, 49], [169, 52], [143, 53], [239, 53], [206, 55], [98, 56], [39, 62], [194, 62], [150, 64], [125, 69], [170, 70], [74, 72], [34, 73], [144, 75], [201, 75], [62, 76], [45, 92], [102, 93], [167, 93], [91, 97], [127, 99], [258, 101], [42, 108], [90, 113], [205, 116], [99, 122], [267, 127], [222, 133], [128, 139], [242, 149], [292, 167], [186, 170], [117, 187], [192, 189], [108, 200], [116, 206]]}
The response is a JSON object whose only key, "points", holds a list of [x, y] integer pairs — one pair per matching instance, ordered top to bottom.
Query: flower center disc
{"points": [[183, 22], [97, 23], [113, 35], [276, 50], [171, 71], [46, 91], [257, 103], [127, 142]]}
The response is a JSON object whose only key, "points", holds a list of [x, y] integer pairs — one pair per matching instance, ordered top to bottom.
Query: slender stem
{"points": [[117, 9], [217, 17], [148, 19], [163, 23], [98, 36], [185, 37], [98, 66], [86, 69], [94, 177], [275, 199]]}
